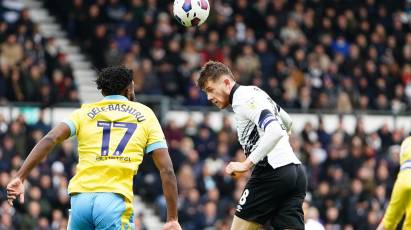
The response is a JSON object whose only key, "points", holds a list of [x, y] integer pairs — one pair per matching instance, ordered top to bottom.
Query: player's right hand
{"points": [[238, 167], [15, 189], [172, 225]]}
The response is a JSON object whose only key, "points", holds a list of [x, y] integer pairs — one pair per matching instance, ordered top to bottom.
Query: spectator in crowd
{"points": [[31, 64]]}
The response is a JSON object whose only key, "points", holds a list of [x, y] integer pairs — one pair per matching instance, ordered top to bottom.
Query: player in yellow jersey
{"points": [[113, 136], [400, 203]]}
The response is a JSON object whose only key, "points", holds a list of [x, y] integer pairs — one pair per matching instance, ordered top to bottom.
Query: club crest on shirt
{"points": [[251, 104]]}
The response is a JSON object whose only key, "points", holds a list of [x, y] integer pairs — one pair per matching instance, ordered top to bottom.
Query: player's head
{"points": [[216, 79], [116, 80]]}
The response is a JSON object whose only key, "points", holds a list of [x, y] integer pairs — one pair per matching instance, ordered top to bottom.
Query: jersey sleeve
{"points": [[285, 118], [73, 122], [155, 135]]}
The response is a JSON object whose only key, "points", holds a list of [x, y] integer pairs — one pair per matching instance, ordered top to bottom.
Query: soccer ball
{"points": [[191, 12]]}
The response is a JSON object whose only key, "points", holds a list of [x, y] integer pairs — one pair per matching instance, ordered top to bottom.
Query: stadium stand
{"points": [[307, 54], [336, 55], [33, 69]]}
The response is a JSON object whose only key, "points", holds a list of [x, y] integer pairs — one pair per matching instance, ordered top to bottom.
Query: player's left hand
{"points": [[238, 167]]}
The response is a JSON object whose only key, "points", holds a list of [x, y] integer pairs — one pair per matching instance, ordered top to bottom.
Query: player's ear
{"points": [[226, 82], [129, 91]]}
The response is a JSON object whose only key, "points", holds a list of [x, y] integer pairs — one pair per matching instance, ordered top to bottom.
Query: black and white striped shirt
{"points": [[254, 111]]}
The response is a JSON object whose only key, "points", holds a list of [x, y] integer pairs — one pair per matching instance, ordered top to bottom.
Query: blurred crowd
{"points": [[318, 54], [32, 68], [350, 175], [46, 200]]}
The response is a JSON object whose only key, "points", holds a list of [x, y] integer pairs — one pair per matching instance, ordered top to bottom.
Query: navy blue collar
{"points": [[235, 87], [116, 97]]}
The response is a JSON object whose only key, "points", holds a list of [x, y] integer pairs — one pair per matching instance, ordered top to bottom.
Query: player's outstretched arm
{"points": [[58, 134], [164, 165]]}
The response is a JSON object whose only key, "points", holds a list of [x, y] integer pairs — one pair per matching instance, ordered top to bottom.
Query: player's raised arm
{"points": [[58, 134], [164, 165]]}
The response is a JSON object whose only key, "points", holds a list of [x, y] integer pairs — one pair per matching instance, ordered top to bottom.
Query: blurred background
{"points": [[341, 68]]}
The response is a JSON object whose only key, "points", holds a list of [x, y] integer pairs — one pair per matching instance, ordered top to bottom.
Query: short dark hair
{"points": [[212, 70], [113, 80]]}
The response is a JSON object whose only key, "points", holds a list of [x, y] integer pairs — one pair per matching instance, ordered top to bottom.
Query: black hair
{"points": [[113, 80]]}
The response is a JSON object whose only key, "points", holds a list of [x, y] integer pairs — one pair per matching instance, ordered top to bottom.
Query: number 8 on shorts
{"points": [[243, 198]]}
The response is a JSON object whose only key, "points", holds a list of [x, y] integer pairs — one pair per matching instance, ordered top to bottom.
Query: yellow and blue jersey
{"points": [[113, 136], [400, 202]]}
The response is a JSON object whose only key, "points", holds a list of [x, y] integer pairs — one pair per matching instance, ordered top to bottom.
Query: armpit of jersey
{"points": [[266, 117]]}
